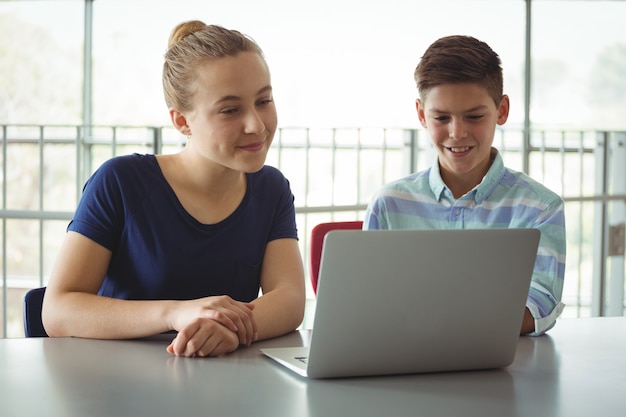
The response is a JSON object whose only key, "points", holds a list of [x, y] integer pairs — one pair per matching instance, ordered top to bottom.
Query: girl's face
{"points": [[234, 117], [461, 120]]}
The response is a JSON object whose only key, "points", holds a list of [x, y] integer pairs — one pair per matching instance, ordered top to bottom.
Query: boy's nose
{"points": [[457, 129]]}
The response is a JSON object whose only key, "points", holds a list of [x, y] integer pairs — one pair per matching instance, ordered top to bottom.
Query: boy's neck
{"points": [[461, 184]]}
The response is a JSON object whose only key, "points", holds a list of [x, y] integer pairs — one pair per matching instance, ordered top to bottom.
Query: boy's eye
{"points": [[475, 117], [441, 118]]}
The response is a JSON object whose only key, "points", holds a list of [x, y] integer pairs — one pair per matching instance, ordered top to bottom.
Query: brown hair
{"points": [[190, 44], [459, 59]]}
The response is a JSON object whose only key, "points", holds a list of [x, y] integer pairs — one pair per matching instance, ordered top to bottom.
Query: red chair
{"points": [[317, 241]]}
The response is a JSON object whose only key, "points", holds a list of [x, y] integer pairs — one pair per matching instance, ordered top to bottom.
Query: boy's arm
{"points": [[544, 298], [528, 322]]}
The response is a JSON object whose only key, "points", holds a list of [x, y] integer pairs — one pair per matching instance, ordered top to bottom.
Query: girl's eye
{"points": [[265, 101], [229, 110]]}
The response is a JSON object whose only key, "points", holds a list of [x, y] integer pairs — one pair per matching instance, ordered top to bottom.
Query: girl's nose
{"points": [[253, 123]]}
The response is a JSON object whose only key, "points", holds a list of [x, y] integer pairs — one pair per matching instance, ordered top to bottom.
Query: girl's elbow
{"points": [[52, 324]]}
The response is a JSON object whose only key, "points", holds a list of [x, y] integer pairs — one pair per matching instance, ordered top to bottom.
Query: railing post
{"points": [[157, 140], [410, 143], [3, 224], [617, 224], [598, 284]]}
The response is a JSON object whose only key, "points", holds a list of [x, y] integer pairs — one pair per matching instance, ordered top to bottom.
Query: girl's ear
{"points": [[179, 121]]}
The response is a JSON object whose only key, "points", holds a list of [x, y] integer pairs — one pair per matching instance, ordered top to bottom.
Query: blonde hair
{"points": [[191, 44]]}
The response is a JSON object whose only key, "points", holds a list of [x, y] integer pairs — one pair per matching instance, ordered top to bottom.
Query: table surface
{"points": [[577, 369]]}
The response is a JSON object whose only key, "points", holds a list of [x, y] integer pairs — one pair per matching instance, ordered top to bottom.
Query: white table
{"points": [[578, 369]]}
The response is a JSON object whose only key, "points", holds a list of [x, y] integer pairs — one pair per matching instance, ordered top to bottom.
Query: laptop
{"points": [[416, 301]]}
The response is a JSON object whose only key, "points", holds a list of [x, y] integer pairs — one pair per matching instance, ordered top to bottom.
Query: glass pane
{"points": [[41, 44], [347, 68], [578, 70], [59, 170], [22, 182], [22, 269]]}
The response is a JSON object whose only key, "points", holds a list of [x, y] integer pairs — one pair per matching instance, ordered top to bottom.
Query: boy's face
{"points": [[461, 120]]}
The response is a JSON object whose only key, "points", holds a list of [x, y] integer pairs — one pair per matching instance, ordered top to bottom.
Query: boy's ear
{"points": [[503, 110], [420, 112], [179, 121]]}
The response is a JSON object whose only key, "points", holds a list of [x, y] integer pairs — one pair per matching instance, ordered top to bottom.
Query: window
{"points": [[342, 73]]}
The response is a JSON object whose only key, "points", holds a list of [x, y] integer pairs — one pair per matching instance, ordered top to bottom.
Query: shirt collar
{"points": [[478, 193]]}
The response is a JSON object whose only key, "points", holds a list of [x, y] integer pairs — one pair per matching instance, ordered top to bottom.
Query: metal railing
{"points": [[333, 174]]}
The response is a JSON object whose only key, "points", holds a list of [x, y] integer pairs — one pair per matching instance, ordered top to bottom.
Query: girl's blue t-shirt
{"points": [[159, 251]]}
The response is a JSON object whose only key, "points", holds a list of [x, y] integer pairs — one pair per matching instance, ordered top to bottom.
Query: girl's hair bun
{"points": [[184, 29]]}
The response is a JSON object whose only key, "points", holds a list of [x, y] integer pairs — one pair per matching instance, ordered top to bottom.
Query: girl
{"points": [[184, 242]]}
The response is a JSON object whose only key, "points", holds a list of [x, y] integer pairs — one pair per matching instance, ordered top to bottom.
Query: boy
{"points": [[459, 80]]}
